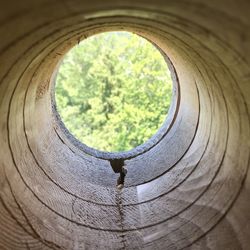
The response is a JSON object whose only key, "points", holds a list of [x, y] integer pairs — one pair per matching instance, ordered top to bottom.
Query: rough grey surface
{"points": [[191, 190]]}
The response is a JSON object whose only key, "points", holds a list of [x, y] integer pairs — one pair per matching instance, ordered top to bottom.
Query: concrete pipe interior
{"points": [[189, 188]]}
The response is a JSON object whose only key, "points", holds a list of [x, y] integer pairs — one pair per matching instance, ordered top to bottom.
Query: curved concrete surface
{"points": [[189, 190]]}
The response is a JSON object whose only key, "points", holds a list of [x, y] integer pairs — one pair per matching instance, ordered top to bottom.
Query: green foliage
{"points": [[113, 91]]}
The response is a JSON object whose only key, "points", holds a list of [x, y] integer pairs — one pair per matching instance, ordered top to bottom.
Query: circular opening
{"points": [[113, 91]]}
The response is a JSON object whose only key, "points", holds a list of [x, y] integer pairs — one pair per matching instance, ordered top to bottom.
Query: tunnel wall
{"points": [[190, 189]]}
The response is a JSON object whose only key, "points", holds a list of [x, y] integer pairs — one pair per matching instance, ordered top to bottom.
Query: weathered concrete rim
{"points": [[149, 143]]}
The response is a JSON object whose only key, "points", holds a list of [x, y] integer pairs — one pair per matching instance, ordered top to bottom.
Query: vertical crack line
{"points": [[121, 217]]}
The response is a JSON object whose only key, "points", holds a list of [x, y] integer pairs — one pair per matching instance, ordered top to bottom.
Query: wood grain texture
{"points": [[189, 190]]}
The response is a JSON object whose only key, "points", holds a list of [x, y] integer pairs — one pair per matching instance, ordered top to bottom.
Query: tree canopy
{"points": [[113, 91]]}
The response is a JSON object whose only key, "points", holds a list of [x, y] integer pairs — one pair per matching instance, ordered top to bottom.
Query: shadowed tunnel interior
{"points": [[188, 187]]}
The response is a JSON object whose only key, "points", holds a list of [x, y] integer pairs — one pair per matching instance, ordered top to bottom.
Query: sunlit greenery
{"points": [[113, 91]]}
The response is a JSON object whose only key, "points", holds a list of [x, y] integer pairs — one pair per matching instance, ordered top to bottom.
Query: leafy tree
{"points": [[113, 91]]}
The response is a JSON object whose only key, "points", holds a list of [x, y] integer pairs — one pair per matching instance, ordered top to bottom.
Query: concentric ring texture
{"points": [[188, 190]]}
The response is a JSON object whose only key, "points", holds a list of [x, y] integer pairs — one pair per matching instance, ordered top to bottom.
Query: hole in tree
{"points": [[113, 91]]}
